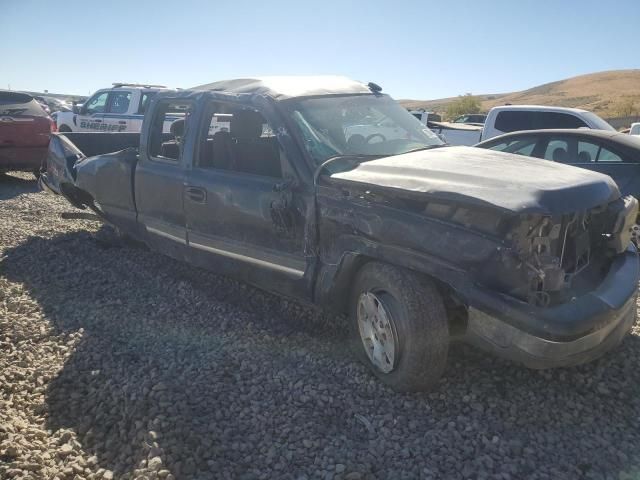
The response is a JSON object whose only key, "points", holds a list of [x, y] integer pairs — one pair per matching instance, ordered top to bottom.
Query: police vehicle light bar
{"points": [[118, 84]]}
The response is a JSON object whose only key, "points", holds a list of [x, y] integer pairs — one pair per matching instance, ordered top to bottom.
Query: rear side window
{"points": [[145, 99], [119, 102], [15, 103], [556, 120], [170, 121], [513, 121], [558, 151], [587, 152], [590, 152], [608, 156]]}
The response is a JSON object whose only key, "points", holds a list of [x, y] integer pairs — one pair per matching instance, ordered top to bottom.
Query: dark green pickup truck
{"points": [[326, 190]]}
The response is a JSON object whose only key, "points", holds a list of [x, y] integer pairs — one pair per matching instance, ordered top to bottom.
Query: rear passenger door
{"points": [[160, 179], [244, 211]]}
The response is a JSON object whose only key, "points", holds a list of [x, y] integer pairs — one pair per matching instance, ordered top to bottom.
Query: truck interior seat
{"points": [[171, 148], [243, 148], [222, 151], [253, 153]]}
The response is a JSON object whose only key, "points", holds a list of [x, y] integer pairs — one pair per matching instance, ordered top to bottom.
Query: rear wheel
{"points": [[64, 129], [399, 327]]}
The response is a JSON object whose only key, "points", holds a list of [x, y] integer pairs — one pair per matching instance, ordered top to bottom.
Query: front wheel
{"points": [[399, 327]]}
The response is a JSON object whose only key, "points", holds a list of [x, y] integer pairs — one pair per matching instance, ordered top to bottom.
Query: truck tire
{"points": [[64, 129], [399, 327]]}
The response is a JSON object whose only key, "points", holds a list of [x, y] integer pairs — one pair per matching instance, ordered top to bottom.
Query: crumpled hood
{"points": [[482, 177]]}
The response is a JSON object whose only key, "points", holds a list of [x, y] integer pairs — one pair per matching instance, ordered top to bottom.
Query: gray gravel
{"points": [[116, 362]]}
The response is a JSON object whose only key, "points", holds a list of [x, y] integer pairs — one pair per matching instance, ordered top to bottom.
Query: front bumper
{"points": [[564, 335]]}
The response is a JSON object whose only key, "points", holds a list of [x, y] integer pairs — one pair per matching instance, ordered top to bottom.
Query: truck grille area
{"points": [[551, 259]]}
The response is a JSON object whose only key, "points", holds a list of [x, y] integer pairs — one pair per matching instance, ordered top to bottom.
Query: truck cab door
{"points": [[91, 115], [160, 178], [245, 210]]}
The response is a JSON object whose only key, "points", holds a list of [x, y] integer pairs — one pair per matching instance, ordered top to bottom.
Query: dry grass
{"points": [[600, 92]]}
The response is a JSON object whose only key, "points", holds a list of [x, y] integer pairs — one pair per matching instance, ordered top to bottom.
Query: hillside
{"points": [[599, 92]]}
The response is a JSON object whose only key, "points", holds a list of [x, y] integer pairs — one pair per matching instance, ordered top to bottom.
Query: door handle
{"points": [[122, 122], [196, 194]]}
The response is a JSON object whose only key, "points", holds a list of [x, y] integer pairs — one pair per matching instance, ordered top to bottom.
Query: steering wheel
{"points": [[374, 135]]}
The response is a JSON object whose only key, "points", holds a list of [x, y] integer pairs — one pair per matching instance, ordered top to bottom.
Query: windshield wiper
{"points": [[352, 158]]}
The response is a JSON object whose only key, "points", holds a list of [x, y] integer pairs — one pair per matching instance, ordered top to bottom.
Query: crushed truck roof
{"points": [[283, 87]]}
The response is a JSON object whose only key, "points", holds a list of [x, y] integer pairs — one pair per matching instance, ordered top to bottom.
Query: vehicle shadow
{"points": [[12, 185], [208, 373]]}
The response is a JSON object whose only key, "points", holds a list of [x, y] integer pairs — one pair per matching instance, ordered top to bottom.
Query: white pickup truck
{"points": [[117, 109], [513, 118]]}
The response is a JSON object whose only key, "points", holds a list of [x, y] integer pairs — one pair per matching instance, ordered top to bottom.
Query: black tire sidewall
{"points": [[420, 321]]}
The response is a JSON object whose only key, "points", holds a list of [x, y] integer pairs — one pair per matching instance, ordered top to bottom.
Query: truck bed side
{"points": [[73, 170]]}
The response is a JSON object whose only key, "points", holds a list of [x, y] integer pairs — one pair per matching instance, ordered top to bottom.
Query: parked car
{"points": [[43, 104], [55, 104], [117, 109], [473, 118], [513, 118], [635, 129], [24, 132], [609, 152], [419, 243]]}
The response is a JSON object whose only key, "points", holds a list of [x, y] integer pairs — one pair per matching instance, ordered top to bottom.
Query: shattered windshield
{"points": [[366, 125]]}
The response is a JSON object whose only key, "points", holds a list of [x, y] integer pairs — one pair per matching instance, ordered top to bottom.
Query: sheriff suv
{"points": [[117, 109]]}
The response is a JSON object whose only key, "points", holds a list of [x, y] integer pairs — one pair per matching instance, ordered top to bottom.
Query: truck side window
{"points": [[145, 98], [119, 102], [96, 104], [543, 120], [514, 121], [168, 128], [239, 140]]}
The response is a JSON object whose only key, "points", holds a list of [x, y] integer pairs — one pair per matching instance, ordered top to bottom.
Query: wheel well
{"points": [[64, 128], [456, 309]]}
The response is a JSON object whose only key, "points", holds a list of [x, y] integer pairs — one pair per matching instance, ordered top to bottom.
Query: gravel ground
{"points": [[116, 362]]}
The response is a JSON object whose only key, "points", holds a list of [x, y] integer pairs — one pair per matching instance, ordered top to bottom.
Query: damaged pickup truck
{"points": [[420, 243]]}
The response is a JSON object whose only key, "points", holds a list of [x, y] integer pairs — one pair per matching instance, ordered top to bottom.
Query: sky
{"points": [[420, 49]]}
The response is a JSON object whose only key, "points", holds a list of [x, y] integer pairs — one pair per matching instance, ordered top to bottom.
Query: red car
{"points": [[24, 132]]}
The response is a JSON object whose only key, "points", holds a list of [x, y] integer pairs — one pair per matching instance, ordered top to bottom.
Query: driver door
{"points": [[91, 116]]}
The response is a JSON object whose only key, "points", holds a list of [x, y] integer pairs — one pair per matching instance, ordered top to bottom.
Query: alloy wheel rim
{"points": [[377, 332]]}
